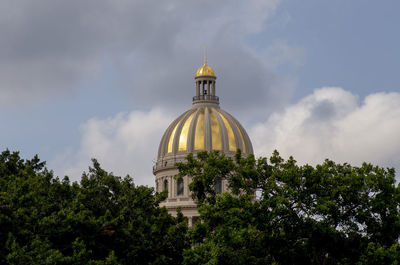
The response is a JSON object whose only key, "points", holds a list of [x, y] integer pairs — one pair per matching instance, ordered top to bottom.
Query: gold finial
{"points": [[205, 55], [205, 70]]}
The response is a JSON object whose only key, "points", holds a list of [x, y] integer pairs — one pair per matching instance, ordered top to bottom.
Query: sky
{"points": [[103, 79]]}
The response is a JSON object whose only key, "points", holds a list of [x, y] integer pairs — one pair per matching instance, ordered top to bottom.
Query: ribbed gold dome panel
{"points": [[204, 128]]}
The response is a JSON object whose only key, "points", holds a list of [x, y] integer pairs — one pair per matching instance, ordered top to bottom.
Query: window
{"points": [[166, 184], [218, 186], [179, 187], [195, 219]]}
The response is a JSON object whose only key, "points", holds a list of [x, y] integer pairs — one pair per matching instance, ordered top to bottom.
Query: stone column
{"points": [[202, 88], [208, 88], [213, 88], [197, 89], [163, 185], [171, 186], [185, 186]]}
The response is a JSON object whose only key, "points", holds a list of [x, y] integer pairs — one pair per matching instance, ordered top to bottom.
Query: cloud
{"points": [[51, 48], [330, 123], [333, 123], [124, 144]]}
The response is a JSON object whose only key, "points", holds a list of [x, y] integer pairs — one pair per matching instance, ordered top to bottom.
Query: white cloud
{"points": [[330, 123], [333, 123], [124, 144]]}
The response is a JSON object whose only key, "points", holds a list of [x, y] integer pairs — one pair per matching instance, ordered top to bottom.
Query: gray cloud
{"points": [[52, 46]]}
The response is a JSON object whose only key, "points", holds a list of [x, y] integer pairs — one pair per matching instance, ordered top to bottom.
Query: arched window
{"points": [[166, 184], [179, 186], [218, 186]]}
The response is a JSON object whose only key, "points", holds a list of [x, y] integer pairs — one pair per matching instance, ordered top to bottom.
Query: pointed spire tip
{"points": [[205, 55]]}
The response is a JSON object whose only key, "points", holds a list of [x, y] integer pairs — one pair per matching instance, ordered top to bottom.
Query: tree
{"points": [[282, 213], [104, 219]]}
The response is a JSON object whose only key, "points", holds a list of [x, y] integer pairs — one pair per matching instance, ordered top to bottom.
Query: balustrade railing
{"points": [[206, 97], [165, 164]]}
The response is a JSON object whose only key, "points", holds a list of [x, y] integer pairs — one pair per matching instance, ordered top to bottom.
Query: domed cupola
{"points": [[205, 84], [203, 127]]}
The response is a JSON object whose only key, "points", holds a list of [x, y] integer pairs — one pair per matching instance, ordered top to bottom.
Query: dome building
{"points": [[203, 127]]}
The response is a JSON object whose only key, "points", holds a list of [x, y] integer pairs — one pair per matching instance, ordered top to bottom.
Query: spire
{"points": [[205, 55]]}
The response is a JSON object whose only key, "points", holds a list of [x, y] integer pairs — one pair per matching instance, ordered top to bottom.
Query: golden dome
{"points": [[205, 70], [204, 128]]}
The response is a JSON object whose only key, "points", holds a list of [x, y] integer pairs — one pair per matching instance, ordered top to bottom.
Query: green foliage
{"points": [[276, 213], [328, 214], [103, 220], [377, 254]]}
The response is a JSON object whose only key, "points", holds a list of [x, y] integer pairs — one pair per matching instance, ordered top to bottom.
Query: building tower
{"points": [[203, 127]]}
